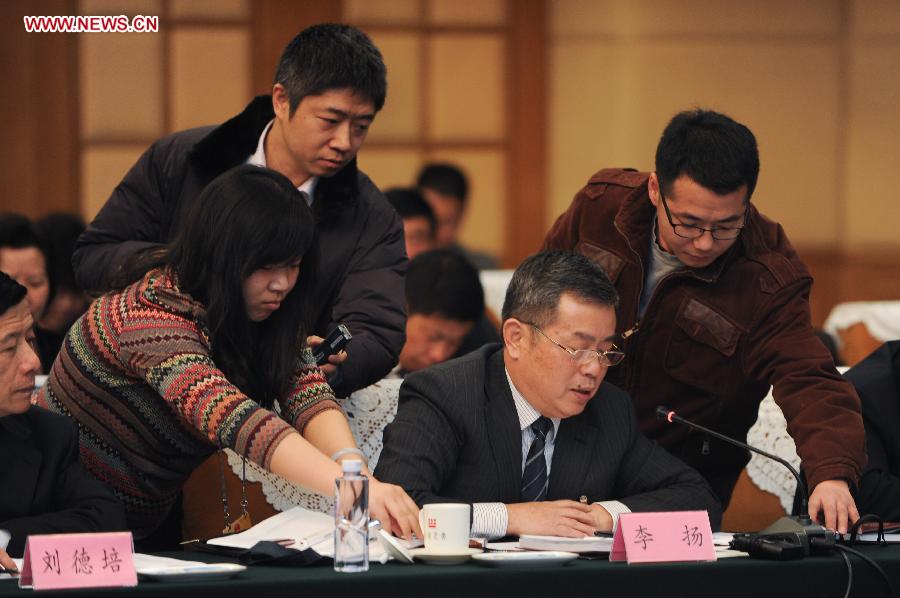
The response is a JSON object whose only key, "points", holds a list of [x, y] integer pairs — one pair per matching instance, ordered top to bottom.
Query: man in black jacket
{"points": [[329, 85], [877, 380], [45, 488]]}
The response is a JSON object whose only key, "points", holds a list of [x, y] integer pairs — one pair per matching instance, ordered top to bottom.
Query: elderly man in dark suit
{"points": [[527, 432], [45, 488]]}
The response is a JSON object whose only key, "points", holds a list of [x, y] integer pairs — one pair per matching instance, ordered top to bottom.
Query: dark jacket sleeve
{"points": [[129, 223], [371, 301], [877, 379], [822, 408], [421, 445], [651, 479], [879, 487], [83, 503]]}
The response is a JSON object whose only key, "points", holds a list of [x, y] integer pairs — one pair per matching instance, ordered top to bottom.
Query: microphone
{"points": [[671, 417], [789, 532]]}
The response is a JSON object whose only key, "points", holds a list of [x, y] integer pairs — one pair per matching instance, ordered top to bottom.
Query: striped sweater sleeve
{"points": [[173, 358], [309, 396]]}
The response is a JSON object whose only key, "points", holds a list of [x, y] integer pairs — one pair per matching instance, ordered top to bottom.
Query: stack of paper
{"points": [[303, 529], [578, 545]]}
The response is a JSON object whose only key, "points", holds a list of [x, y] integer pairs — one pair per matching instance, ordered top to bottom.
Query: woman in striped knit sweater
{"points": [[194, 356]]}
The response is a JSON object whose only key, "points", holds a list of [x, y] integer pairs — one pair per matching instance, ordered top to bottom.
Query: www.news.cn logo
{"points": [[92, 24]]}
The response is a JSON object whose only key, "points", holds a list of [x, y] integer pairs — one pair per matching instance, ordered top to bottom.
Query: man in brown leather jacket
{"points": [[715, 309]]}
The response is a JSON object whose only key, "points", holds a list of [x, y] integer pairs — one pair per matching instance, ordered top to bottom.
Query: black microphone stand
{"points": [[789, 536]]}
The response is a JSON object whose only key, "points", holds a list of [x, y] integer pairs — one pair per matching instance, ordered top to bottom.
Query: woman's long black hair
{"points": [[247, 218]]}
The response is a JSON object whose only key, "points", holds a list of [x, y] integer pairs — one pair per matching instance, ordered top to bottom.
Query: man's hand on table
{"points": [[833, 499], [553, 518], [6, 561]]}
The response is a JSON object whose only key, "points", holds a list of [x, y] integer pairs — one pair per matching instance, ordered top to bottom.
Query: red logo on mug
{"points": [[432, 522]]}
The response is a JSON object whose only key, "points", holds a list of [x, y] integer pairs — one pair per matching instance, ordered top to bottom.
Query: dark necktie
{"points": [[534, 476]]}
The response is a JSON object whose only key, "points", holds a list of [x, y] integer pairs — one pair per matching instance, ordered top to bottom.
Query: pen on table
{"points": [[9, 571]]}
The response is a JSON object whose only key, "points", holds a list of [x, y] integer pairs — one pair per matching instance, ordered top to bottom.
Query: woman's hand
{"points": [[397, 512]]}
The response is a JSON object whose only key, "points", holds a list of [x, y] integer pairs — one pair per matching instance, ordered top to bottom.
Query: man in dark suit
{"points": [[877, 380], [527, 431], [45, 488]]}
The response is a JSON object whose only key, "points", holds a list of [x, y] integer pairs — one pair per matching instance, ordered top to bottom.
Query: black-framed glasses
{"points": [[689, 231], [585, 356]]}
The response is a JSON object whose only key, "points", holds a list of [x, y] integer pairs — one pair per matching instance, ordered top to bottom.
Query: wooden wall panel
{"points": [[275, 23], [209, 75], [121, 83], [466, 104], [38, 111], [400, 121], [527, 167], [872, 275]]}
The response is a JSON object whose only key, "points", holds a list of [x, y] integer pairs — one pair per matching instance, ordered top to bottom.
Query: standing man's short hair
{"points": [[332, 56], [710, 148], [446, 179], [443, 282], [538, 283], [11, 292]]}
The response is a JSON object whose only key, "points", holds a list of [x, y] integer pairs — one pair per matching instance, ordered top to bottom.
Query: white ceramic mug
{"points": [[446, 527]]}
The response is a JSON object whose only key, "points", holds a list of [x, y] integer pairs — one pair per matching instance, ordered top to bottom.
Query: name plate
{"points": [[663, 537], [59, 561]]}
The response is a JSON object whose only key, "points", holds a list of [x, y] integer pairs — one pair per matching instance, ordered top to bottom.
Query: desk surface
{"points": [[814, 576]]}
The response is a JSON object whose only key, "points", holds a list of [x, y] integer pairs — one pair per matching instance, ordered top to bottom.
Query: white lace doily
{"points": [[368, 410], [770, 434]]}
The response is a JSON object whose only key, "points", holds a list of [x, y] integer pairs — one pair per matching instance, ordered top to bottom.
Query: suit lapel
{"points": [[504, 434], [572, 456], [22, 467]]}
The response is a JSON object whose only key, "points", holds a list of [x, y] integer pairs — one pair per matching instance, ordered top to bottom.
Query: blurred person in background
{"points": [[446, 189], [419, 223], [23, 255], [67, 300], [444, 300]]}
